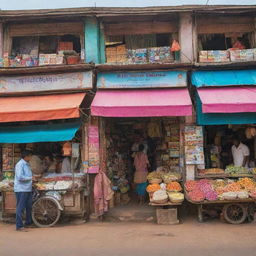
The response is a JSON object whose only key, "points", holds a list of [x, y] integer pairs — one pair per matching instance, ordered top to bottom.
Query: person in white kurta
{"points": [[240, 153]]}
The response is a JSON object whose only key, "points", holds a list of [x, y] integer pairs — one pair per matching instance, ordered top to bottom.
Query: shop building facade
{"points": [[166, 72]]}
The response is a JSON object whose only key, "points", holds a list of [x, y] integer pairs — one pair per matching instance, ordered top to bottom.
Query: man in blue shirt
{"points": [[23, 190]]}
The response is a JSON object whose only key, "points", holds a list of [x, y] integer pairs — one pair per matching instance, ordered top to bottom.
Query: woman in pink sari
{"points": [[141, 164]]}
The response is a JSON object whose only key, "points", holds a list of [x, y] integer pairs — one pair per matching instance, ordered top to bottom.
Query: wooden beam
{"points": [[133, 28], [225, 28], [36, 29]]}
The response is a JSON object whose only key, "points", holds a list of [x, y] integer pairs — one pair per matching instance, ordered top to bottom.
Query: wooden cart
{"points": [[49, 207], [234, 211]]}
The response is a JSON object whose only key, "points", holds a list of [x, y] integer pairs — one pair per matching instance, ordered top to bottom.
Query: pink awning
{"points": [[228, 99], [142, 103]]}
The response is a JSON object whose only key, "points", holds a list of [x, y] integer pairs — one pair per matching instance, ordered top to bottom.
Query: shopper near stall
{"points": [[240, 153], [141, 164], [23, 190]]}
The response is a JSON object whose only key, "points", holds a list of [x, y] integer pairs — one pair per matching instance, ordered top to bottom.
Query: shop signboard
{"points": [[142, 79], [46, 82], [94, 148], [194, 149]]}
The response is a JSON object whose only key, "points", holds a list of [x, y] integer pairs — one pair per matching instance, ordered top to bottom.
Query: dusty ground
{"points": [[95, 239]]}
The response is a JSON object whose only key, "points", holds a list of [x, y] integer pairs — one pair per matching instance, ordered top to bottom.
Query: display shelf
{"points": [[221, 176], [166, 204]]}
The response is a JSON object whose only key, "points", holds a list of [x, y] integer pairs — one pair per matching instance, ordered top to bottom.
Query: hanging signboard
{"points": [[145, 79], [46, 82], [94, 148], [194, 149]]}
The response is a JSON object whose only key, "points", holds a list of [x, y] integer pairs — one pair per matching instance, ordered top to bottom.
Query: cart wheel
{"points": [[45, 212], [251, 212], [235, 213], [200, 214]]}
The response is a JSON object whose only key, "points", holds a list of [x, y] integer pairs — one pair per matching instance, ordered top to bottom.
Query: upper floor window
{"points": [[226, 39], [141, 42], [44, 44]]}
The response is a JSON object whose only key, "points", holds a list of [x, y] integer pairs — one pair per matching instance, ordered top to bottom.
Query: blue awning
{"points": [[224, 78], [222, 118], [38, 133]]}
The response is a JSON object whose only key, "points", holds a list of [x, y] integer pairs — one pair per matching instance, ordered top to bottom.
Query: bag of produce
{"points": [[174, 186], [153, 188], [242, 194], [229, 195], [160, 196], [176, 197]]}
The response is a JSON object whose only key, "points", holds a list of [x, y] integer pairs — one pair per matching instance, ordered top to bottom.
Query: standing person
{"points": [[240, 153], [141, 164], [23, 190]]}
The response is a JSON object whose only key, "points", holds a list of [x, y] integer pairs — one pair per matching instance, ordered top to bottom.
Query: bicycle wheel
{"points": [[45, 212]]}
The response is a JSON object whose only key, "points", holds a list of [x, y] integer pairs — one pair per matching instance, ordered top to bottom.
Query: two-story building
{"points": [[148, 75]]}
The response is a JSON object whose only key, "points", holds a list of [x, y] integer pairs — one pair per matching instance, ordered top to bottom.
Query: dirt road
{"points": [[126, 239]]}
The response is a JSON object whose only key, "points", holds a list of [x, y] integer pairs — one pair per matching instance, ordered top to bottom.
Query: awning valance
{"points": [[224, 78], [228, 99], [142, 103], [40, 108], [222, 118], [38, 133]]}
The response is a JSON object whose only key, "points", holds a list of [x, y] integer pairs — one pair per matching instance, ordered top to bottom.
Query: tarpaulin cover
{"points": [[224, 78], [228, 99], [142, 103], [43, 107], [222, 118], [38, 133]]}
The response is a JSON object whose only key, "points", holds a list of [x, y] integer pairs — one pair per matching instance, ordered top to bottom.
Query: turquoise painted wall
{"points": [[94, 41]]}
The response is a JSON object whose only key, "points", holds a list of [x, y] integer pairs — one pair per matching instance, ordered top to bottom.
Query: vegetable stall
{"points": [[233, 196]]}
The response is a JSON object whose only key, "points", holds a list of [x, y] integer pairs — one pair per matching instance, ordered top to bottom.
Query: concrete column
{"points": [[186, 37], [1, 40], [91, 40], [94, 41]]}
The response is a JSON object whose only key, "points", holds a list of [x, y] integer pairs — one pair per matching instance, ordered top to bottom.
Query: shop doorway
{"points": [[161, 140]]}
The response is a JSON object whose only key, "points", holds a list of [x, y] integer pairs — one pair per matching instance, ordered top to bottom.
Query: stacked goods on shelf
{"points": [[116, 54], [160, 55], [242, 55], [137, 56], [214, 56], [53, 59], [170, 149], [8, 157], [236, 170], [211, 171], [55, 181], [220, 189], [166, 191]]}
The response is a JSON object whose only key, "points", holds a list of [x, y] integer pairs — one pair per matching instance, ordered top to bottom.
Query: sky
{"points": [[52, 4]]}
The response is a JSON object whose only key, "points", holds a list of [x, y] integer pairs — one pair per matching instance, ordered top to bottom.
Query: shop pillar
{"points": [[186, 37], [1, 40], [94, 41]]}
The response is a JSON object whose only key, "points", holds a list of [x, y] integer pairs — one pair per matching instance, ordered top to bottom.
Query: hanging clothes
{"points": [[102, 193]]}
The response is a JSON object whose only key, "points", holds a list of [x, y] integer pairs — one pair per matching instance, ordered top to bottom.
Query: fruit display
{"points": [[236, 170], [211, 171], [6, 185], [169, 185], [190, 185], [174, 186], [153, 188], [220, 189], [160, 195], [196, 195], [176, 197]]}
